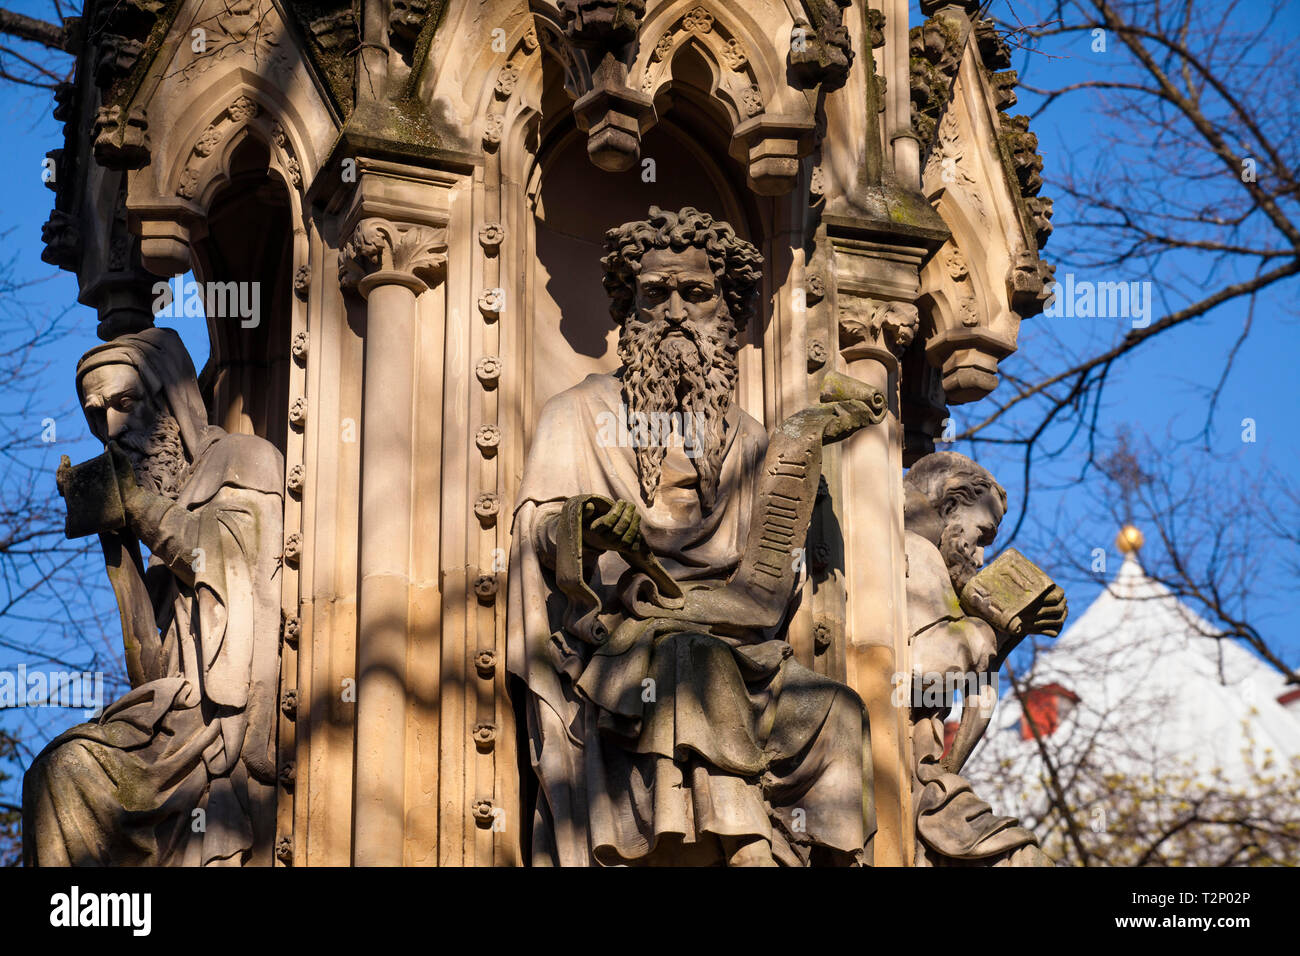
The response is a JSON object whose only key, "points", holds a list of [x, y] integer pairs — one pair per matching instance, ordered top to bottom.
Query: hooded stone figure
{"points": [[668, 722], [180, 770]]}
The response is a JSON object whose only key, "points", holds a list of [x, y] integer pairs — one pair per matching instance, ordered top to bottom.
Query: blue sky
{"points": [[1159, 391]]}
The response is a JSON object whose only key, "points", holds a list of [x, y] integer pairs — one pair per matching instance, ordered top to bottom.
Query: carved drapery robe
{"points": [[196, 731], [669, 735]]}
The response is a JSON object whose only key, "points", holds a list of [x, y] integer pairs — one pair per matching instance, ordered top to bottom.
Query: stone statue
{"points": [[653, 570], [964, 619], [181, 770]]}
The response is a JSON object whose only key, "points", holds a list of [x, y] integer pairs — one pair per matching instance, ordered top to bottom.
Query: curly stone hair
{"points": [[736, 264], [943, 477]]}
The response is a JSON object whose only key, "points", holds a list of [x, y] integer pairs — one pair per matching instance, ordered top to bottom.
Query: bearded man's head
{"points": [[682, 288], [120, 408], [956, 501]]}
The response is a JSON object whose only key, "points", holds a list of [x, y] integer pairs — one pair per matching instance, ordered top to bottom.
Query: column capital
{"points": [[381, 252], [876, 286], [875, 328]]}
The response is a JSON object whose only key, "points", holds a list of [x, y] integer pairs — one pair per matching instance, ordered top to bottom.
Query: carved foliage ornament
{"points": [[698, 20], [405, 21], [602, 23], [876, 28], [120, 30], [336, 30], [935, 49], [728, 50], [821, 52], [733, 54], [118, 55], [507, 78], [242, 111], [493, 127], [121, 137], [949, 168], [490, 236], [62, 238], [377, 245], [1029, 281], [491, 302], [866, 321], [817, 355], [488, 440], [486, 507], [485, 588]]}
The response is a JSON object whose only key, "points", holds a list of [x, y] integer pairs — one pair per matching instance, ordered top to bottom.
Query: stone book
{"points": [[92, 497], [1005, 590]]}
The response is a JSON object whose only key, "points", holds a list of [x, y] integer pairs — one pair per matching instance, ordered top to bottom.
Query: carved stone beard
{"points": [[693, 375], [158, 457], [963, 556]]}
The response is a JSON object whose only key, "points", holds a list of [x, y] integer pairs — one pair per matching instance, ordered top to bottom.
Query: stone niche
{"points": [[571, 322]]}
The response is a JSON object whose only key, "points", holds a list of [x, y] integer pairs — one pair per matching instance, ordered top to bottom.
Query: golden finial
{"points": [[1129, 539]]}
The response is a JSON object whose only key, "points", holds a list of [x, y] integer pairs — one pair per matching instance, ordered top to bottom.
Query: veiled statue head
{"points": [[682, 286], [140, 391], [958, 505]]}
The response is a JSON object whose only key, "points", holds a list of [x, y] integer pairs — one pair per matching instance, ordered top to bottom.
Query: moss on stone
{"points": [[122, 92]]}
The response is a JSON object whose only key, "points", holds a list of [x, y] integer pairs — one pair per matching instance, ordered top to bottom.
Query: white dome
{"points": [[1158, 694]]}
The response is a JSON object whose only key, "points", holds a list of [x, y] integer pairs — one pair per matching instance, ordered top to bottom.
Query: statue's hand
{"points": [[851, 415], [618, 529], [1047, 616]]}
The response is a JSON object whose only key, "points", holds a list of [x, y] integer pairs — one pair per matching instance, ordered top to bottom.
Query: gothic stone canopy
{"points": [[417, 192]]}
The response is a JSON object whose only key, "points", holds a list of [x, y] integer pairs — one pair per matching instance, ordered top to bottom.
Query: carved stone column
{"points": [[894, 66], [389, 264], [875, 287]]}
